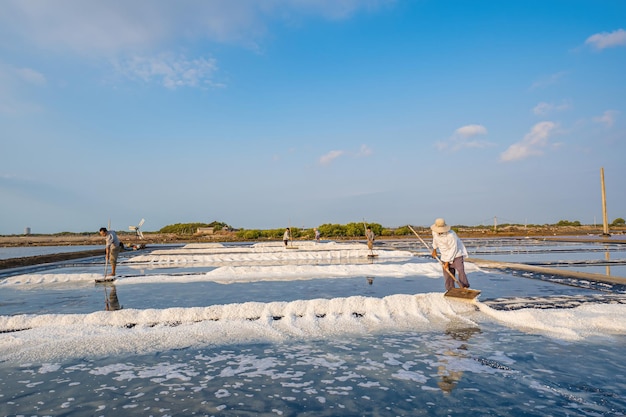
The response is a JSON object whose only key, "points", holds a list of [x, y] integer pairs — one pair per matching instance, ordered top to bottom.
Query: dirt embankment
{"points": [[86, 240], [45, 259]]}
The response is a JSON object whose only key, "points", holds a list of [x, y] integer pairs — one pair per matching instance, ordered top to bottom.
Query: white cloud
{"points": [[113, 26], [135, 35], [607, 40], [171, 71], [20, 76], [30, 76], [548, 80], [12, 81], [543, 108], [607, 119], [471, 130], [462, 138], [532, 144], [364, 151], [330, 157]]}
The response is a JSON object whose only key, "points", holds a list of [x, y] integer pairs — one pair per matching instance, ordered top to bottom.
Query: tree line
{"points": [[191, 228], [328, 230], [334, 230]]}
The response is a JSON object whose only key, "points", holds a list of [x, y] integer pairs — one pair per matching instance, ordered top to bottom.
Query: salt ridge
{"points": [[254, 273], [53, 336]]}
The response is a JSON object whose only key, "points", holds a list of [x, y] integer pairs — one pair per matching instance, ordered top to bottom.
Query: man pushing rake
{"points": [[452, 252]]}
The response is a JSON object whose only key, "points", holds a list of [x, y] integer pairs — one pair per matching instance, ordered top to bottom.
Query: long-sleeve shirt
{"points": [[111, 240], [449, 245]]}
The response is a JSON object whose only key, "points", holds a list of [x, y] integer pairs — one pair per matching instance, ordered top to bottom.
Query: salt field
{"points": [[319, 329]]}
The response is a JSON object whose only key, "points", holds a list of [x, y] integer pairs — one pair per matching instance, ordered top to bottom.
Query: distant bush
{"points": [[618, 222], [568, 223], [182, 228], [191, 228], [353, 229], [335, 230], [403, 231], [273, 233], [250, 234], [270, 234]]}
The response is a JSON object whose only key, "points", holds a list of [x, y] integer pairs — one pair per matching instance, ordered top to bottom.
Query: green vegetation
{"points": [[568, 223], [191, 228], [350, 230], [356, 230], [327, 231], [402, 231], [275, 234]]}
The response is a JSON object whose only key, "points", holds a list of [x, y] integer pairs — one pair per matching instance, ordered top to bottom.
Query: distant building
{"points": [[27, 231]]}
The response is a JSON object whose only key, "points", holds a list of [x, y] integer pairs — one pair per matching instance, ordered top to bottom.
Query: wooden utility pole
{"points": [[604, 216]]}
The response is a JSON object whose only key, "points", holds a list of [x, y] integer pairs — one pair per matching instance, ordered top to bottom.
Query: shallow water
{"points": [[598, 258], [282, 338], [456, 371]]}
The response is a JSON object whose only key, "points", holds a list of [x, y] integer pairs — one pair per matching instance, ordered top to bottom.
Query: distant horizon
{"points": [[499, 220], [235, 228]]}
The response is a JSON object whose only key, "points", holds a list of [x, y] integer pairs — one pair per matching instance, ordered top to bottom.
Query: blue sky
{"points": [[270, 113]]}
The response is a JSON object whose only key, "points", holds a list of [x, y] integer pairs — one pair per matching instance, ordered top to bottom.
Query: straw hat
{"points": [[440, 226]]}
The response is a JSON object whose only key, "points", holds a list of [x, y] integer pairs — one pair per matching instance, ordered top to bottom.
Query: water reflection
{"points": [[111, 302], [448, 369]]}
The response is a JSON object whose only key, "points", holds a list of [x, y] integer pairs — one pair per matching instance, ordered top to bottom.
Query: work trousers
{"points": [[456, 265]]}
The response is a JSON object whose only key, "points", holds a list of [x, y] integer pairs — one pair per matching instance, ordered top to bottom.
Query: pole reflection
{"points": [[607, 257], [111, 302]]}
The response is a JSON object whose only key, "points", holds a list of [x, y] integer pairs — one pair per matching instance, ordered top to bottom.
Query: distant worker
{"points": [[317, 235], [287, 236], [370, 237], [111, 248], [452, 253]]}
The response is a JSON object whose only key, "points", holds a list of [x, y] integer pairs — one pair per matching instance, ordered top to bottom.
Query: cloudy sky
{"points": [[269, 113]]}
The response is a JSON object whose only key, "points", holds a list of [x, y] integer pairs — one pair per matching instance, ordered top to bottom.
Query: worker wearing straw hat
{"points": [[452, 253]]}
